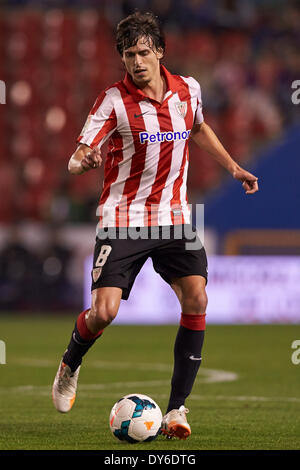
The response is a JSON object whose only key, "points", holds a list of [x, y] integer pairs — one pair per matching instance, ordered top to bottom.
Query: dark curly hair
{"points": [[138, 25]]}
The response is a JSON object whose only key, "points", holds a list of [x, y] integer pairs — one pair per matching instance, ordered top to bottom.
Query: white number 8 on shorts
{"points": [[103, 255], [100, 262]]}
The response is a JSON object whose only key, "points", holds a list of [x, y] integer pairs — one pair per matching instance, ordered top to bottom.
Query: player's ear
{"points": [[159, 53], [123, 62]]}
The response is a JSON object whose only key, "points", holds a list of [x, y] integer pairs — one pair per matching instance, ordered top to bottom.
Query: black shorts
{"points": [[176, 251]]}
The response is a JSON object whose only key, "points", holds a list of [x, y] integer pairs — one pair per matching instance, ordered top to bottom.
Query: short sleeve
{"points": [[198, 114], [101, 122]]}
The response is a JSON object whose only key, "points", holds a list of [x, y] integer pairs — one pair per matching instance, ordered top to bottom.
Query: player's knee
{"points": [[196, 303], [103, 312]]}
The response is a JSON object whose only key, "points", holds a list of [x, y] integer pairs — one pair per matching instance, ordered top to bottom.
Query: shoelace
{"points": [[64, 383], [184, 412]]}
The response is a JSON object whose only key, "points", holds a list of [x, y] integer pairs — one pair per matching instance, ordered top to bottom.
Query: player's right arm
{"points": [[100, 125], [83, 159]]}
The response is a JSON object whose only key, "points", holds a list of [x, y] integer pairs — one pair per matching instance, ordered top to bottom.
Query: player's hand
{"points": [[91, 160], [249, 181]]}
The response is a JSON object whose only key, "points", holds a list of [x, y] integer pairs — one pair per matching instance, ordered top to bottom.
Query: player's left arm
{"points": [[207, 140]]}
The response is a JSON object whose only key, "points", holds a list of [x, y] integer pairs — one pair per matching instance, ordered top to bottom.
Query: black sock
{"points": [[77, 348], [187, 360]]}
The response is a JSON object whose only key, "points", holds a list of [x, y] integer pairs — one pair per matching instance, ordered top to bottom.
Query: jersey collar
{"points": [[139, 95]]}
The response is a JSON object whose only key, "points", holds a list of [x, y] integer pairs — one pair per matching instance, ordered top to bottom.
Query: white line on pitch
{"points": [[205, 375], [110, 390]]}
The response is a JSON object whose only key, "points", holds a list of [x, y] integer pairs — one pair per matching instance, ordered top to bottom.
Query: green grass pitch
{"points": [[246, 396]]}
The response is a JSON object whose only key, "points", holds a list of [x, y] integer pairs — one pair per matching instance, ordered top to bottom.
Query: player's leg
{"points": [[116, 263], [182, 263], [191, 294], [91, 323], [88, 328]]}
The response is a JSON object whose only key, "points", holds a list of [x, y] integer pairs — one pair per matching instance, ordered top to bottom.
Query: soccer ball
{"points": [[135, 418]]}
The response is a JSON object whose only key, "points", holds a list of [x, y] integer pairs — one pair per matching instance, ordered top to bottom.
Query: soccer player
{"points": [[147, 119]]}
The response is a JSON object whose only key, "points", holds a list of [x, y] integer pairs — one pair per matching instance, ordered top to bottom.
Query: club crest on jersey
{"points": [[181, 108], [96, 274]]}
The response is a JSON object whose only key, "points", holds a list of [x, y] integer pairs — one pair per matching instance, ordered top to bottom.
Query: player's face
{"points": [[142, 62]]}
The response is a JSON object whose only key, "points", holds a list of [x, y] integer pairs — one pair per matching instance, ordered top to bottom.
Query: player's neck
{"points": [[156, 88]]}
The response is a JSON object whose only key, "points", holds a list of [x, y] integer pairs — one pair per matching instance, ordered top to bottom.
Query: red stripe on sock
{"points": [[193, 322], [83, 330]]}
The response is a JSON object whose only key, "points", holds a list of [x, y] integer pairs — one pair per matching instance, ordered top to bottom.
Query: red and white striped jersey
{"points": [[145, 173]]}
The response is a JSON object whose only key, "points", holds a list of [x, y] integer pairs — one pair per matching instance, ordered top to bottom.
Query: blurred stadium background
{"points": [[55, 58]]}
